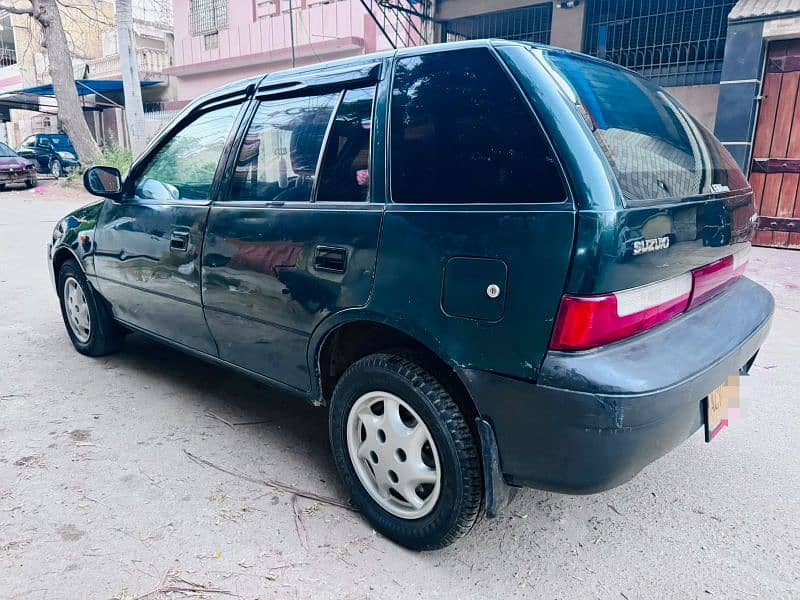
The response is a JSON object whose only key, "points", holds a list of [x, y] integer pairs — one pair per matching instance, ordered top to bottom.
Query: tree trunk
{"points": [[69, 109], [134, 111]]}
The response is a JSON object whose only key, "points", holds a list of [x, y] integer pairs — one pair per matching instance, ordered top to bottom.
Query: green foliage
{"points": [[117, 156]]}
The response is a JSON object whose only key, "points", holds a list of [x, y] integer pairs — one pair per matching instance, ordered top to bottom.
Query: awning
{"points": [[763, 9], [84, 87]]}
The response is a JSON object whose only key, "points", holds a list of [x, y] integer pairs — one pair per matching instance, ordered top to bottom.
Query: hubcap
{"points": [[55, 168], [77, 310], [393, 454]]}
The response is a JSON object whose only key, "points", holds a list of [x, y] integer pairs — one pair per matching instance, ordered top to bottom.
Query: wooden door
{"points": [[775, 170]]}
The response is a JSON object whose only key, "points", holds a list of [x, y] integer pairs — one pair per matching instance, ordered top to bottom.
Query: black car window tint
{"points": [[461, 133], [279, 155], [183, 169], [344, 175]]}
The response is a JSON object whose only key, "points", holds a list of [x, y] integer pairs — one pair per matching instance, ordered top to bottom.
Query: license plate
{"points": [[722, 406]]}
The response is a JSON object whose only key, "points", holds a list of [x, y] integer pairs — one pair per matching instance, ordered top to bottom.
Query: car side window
{"points": [[461, 133], [28, 141], [43, 142], [279, 155], [184, 168], [344, 174]]}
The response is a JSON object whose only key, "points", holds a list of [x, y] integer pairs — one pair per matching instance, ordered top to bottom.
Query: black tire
{"points": [[56, 168], [29, 183], [2, 186], [105, 335], [460, 500]]}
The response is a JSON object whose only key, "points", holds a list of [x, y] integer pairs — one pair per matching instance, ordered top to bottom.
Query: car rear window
{"points": [[656, 148]]}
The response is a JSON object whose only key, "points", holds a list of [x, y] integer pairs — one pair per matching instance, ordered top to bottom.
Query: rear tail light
{"points": [[711, 279], [585, 322]]}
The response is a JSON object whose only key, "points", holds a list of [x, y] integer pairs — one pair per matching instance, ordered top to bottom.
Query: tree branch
{"points": [[15, 10], [82, 10]]}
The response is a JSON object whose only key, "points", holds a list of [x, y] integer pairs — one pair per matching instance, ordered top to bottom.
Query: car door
{"points": [[27, 149], [43, 152], [294, 237], [148, 244]]}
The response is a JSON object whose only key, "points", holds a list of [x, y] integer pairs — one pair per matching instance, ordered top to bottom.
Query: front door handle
{"points": [[179, 240], [330, 258]]}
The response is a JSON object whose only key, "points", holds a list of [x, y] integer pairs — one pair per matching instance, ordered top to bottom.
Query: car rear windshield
{"points": [[656, 148], [6, 152]]}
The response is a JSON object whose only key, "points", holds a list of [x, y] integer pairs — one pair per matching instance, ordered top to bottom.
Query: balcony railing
{"points": [[151, 63]]}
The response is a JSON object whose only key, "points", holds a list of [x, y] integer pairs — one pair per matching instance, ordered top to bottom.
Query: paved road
{"points": [[98, 498]]}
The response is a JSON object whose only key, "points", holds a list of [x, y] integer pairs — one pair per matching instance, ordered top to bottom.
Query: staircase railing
{"points": [[403, 23]]}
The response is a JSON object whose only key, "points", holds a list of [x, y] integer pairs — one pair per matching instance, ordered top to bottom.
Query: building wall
{"points": [[258, 39], [701, 100]]}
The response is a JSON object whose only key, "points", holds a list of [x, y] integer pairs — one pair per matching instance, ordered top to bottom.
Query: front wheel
{"points": [[56, 169], [89, 323], [406, 452]]}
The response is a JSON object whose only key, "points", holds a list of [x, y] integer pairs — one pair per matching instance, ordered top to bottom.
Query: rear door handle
{"points": [[179, 240], [330, 258]]}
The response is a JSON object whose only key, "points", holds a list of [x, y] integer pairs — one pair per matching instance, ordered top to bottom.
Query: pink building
{"points": [[217, 41]]}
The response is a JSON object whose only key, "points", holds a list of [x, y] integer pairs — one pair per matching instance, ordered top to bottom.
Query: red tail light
{"points": [[710, 280], [585, 322]]}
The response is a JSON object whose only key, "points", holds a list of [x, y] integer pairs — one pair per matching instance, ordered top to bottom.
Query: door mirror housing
{"points": [[103, 181]]}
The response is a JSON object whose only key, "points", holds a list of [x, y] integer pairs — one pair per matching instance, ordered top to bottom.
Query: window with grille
{"points": [[207, 16], [530, 24], [674, 42], [8, 48]]}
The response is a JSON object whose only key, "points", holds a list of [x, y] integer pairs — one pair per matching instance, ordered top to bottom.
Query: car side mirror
{"points": [[103, 181]]}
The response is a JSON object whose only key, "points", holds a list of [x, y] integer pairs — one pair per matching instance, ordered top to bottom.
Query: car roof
{"points": [[307, 71]]}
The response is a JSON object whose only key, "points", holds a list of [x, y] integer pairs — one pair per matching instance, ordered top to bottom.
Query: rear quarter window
{"points": [[461, 133], [656, 148]]}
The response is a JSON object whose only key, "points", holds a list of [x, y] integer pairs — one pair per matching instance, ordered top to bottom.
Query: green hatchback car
{"points": [[496, 265]]}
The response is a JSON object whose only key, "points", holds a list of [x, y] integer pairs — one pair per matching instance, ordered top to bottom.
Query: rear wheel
{"points": [[56, 169], [89, 323], [405, 450]]}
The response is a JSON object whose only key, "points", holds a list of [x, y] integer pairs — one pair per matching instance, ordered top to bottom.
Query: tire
{"points": [[56, 168], [29, 183], [2, 186], [102, 336], [455, 501]]}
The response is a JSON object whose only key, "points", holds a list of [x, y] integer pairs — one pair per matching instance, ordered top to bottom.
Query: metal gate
{"points": [[529, 24], [672, 42], [775, 170]]}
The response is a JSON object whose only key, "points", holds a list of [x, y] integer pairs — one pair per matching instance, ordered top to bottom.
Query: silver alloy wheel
{"points": [[55, 168], [77, 308], [393, 454]]}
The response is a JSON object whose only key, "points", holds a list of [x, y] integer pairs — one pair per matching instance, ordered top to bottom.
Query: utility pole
{"points": [[291, 30], [129, 65]]}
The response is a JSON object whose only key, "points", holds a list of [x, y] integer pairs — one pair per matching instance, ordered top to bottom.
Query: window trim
{"points": [[300, 91], [324, 147], [370, 161], [566, 203]]}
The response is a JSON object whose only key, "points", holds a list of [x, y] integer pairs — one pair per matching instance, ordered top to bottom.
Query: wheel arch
{"points": [[62, 255], [352, 337]]}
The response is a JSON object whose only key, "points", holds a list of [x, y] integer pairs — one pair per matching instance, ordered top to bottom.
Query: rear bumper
{"points": [[594, 419]]}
